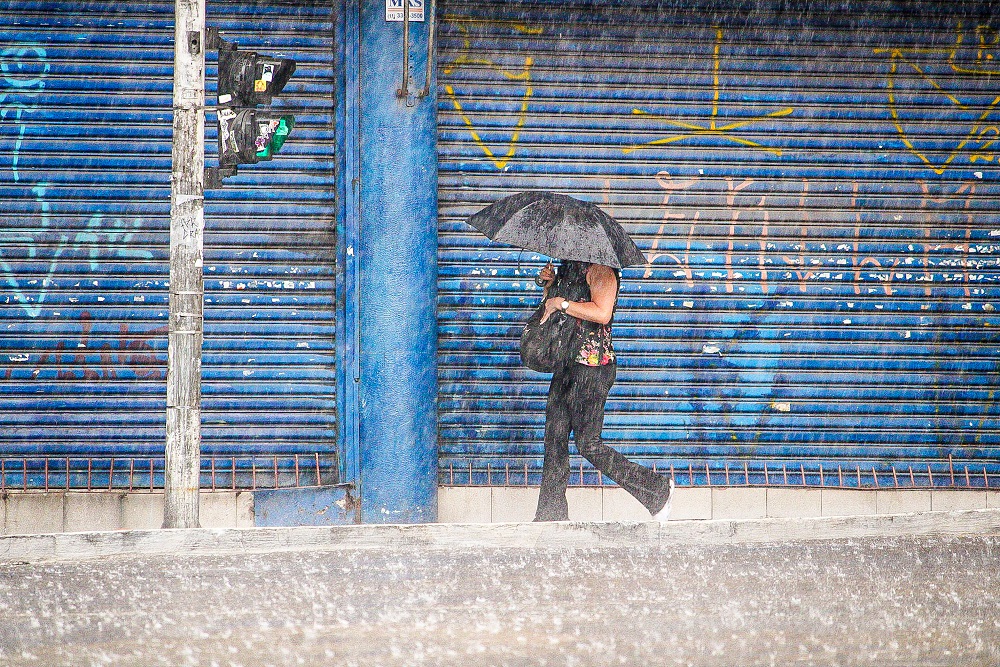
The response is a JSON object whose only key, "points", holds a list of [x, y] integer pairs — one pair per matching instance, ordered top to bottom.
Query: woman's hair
{"points": [[570, 268]]}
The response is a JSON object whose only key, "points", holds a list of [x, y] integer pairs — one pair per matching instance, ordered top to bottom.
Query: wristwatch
{"points": [[564, 306]]}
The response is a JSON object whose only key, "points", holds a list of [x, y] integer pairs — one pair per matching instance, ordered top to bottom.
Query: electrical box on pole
{"points": [[247, 134]]}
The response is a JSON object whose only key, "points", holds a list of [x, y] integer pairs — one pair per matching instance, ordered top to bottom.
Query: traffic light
{"points": [[247, 134]]}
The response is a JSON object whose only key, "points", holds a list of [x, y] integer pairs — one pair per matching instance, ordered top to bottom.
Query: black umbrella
{"points": [[560, 227]]}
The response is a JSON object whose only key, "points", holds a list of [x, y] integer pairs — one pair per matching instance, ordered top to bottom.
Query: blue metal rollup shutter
{"points": [[85, 100], [816, 191]]}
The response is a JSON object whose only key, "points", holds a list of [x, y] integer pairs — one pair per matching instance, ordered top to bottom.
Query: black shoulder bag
{"points": [[551, 345]]}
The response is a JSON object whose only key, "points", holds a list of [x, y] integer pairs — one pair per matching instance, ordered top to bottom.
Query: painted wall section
{"points": [[398, 276]]}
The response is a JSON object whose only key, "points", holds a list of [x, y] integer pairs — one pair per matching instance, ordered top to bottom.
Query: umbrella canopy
{"points": [[558, 226]]}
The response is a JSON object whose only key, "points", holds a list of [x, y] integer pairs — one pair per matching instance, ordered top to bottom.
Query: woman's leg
{"points": [[587, 395], [555, 467]]}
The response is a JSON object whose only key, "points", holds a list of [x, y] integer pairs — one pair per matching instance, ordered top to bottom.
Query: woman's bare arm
{"points": [[603, 292]]}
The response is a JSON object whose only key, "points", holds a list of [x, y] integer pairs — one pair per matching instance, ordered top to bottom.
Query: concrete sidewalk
{"points": [[63, 546], [891, 590]]}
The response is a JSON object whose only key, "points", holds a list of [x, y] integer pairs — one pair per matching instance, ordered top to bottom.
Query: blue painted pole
{"points": [[347, 36], [397, 253]]}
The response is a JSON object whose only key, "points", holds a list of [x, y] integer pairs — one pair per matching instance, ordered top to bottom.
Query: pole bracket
{"points": [[214, 176]]}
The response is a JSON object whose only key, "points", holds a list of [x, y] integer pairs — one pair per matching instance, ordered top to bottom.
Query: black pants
{"points": [[576, 404]]}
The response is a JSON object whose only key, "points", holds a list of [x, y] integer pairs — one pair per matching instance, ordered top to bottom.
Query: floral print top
{"points": [[594, 340], [597, 348]]}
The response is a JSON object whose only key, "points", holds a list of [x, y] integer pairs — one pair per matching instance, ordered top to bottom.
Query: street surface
{"points": [[879, 601]]}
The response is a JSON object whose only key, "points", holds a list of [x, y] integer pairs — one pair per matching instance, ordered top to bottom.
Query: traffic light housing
{"points": [[248, 79], [246, 134]]}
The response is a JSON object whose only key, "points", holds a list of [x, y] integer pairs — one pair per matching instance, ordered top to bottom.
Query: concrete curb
{"points": [[76, 546]]}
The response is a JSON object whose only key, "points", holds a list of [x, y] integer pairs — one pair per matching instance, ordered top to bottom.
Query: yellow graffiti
{"points": [[467, 59], [985, 61], [713, 128], [979, 139], [985, 144]]}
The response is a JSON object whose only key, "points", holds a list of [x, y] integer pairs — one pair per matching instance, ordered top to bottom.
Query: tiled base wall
{"points": [[465, 504], [59, 512], [67, 512]]}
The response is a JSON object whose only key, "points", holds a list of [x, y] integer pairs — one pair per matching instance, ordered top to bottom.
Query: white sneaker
{"points": [[664, 513]]}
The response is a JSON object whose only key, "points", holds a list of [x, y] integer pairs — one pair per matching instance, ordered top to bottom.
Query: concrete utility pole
{"points": [[187, 227]]}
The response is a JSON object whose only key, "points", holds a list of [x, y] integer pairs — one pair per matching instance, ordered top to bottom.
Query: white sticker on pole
{"points": [[394, 10]]}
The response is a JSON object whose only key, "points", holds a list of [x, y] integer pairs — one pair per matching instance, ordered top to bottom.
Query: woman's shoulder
{"points": [[601, 273]]}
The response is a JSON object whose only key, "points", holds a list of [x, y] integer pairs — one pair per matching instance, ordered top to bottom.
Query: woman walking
{"points": [[578, 392]]}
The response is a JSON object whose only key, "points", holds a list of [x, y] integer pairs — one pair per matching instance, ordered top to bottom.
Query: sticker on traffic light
{"points": [[271, 134], [247, 136]]}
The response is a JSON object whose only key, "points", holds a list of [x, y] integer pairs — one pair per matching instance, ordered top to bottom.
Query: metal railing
{"points": [[280, 471], [146, 473], [910, 475]]}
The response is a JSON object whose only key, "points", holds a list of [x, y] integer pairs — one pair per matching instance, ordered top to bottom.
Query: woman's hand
{"points": [[546, 276], [551, 306]]}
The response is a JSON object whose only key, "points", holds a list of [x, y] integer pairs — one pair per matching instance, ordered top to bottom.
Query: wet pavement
{"points": [[918, 600]]}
